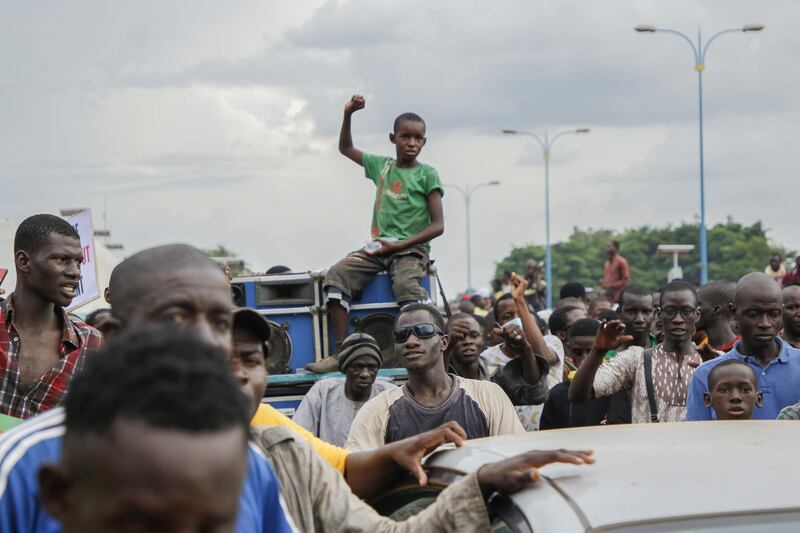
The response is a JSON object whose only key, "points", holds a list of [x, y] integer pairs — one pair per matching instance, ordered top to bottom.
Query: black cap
{"points": [[253, 321]]}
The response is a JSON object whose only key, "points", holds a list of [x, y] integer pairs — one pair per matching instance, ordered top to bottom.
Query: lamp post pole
{"points": [[699, 65], [547, 146], [467, 193]]}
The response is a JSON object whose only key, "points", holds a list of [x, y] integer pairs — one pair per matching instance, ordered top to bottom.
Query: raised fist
{"points": [[356, 102]]}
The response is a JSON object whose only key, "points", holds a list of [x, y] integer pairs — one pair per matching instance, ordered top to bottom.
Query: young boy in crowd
{"points": [[406, 216], [733, 391], [559, 412]]}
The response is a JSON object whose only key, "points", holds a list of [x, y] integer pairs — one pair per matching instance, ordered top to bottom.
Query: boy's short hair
{"points": [[408, 117], [33, 232], [677, 285], [438, 320], [584, 327], [153, 375], [712, 375]]}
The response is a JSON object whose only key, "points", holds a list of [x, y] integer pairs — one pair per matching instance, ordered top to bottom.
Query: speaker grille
{"points": [[381, 327], [280, 349]]}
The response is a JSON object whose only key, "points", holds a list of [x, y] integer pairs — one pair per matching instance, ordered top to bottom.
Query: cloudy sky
{"points": [[216, 122]]}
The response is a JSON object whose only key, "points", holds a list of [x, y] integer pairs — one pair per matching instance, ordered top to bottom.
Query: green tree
{"points": [[733, 250], [237, 269]]}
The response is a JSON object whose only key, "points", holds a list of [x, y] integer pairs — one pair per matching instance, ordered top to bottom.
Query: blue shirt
{"points": [[779, 382], [37, 441]]}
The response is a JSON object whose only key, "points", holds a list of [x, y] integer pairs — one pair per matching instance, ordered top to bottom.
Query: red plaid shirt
{"points": [[77, 338]]}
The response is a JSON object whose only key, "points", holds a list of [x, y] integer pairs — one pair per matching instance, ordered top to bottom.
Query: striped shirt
{"points": [[77, 339], [24, 449]]}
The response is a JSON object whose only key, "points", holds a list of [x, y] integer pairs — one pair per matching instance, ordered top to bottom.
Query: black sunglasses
{"points": [[670, 312], [424, 330]]}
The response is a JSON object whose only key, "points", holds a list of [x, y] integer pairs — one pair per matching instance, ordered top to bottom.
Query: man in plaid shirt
{"points": [[41, 347]]}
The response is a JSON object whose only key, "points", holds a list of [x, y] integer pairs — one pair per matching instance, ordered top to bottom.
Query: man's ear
{"points": [[391, 138], [424, 140], [22, 260], [107, 296], [732, 307], [716, 310], [112, 326], [561, 335], [445, 342], [707, 399], [760, 399], [54, 491]]}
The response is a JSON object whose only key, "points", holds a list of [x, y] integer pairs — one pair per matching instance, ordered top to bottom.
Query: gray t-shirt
{"points": [[480, 407], [328, 413]]}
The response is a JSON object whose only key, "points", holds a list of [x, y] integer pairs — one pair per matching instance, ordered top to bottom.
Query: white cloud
{"points": [[216, 122]]}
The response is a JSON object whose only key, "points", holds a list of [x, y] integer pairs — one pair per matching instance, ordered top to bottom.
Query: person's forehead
{"points": [[410, 126], [66, 243], [202, 283], [791, 294], [769, 297], [679, 298], [635, 301], [504, 306], [416, 316], [469, 322], [244, 335], [582, 340], [363, 360], [734, 373]]}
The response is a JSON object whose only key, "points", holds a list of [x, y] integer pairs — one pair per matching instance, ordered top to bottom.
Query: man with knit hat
{"points": [[329, 407]]}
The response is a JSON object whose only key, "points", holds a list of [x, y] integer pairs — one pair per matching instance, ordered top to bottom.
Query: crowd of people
{"points": [[148, 415]]}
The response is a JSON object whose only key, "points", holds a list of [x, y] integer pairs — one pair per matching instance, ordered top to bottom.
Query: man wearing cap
{"points": [[328, 408]]}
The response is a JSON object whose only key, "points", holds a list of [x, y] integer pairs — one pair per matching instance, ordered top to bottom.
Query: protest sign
{"points": [[87, 288]]}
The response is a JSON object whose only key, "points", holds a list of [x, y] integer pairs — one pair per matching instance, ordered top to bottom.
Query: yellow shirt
{"points": [[269, 416]]}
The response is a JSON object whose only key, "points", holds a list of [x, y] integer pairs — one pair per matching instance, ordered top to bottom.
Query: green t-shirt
{"points": [[401, 200]]}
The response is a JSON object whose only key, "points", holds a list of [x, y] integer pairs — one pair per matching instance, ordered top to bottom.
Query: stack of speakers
{"points": [[295, 307]]}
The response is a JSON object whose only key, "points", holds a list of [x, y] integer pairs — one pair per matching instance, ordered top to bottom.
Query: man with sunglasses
{"points": [[758, 308], [672, 362], [431, 396]]}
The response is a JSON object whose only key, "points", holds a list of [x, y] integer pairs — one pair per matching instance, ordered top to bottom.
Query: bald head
{"points": [[155, 270], [756, 286], [791, 292], [716, 293]]}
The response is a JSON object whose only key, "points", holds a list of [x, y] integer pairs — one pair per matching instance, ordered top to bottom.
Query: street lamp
{"points": [[699, 65], [547, 146], [468, 192]]}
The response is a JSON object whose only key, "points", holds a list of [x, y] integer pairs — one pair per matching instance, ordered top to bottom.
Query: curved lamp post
{"points": [[699, 65], [547, 146], [468, 192]]}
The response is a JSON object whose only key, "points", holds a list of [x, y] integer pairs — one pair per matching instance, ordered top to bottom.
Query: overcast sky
{"points": [[216, 122]]}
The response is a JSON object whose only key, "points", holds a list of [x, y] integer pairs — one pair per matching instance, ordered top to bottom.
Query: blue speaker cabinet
{"points": [[292, 304], [374, 313]]}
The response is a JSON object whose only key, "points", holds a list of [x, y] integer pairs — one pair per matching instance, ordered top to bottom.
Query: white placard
{"points": [[87, 288]]}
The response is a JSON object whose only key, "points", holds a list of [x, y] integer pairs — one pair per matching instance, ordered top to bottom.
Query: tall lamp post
{"points": [[699, 65], [547, 146], [468, 192]]}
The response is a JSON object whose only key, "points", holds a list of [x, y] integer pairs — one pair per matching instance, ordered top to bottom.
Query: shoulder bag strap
{"points": [[648, 383]]}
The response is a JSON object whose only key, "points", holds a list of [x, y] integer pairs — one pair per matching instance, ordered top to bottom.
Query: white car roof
{"points": [[651, 472]]}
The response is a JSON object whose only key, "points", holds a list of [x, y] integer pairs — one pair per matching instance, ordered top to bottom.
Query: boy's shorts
{"points": [[406, 268]]}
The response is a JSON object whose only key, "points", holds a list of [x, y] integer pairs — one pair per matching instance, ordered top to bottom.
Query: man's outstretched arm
{"points": [[345, 136], [609, 337], [371, 473]]}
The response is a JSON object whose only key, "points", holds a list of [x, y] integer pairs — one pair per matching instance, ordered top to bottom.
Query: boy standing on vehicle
{"points": [[406, 216]]}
